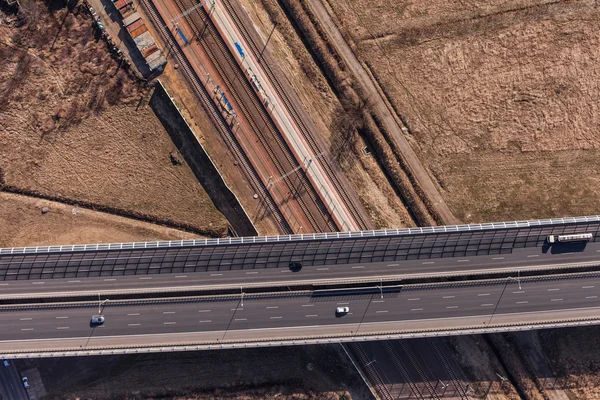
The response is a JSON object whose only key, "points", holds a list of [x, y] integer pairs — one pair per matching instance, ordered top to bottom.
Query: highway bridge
{"points": [[511, 302]]}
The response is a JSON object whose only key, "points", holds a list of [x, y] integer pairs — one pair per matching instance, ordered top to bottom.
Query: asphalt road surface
{"points": [[86, 274], [519, 299], [10, 381]]}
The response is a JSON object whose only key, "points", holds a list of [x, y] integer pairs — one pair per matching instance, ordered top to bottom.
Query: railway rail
{"points": [[216, 117], [258, 117], [328, 164]]}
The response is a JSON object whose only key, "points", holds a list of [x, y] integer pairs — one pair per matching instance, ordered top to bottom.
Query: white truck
{"points": [[576, 237]]}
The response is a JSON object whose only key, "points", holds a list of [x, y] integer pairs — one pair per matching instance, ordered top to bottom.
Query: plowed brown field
{"points": [[501, 97]]}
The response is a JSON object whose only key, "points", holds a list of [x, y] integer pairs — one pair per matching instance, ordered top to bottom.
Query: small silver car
{"points": [[342, 310], [97, 320], [6, 363], [25, 382]]}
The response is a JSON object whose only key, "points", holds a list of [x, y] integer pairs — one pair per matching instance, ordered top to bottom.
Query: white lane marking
{"points": [[569, 253], [533, 255], [498, 258], [462, 260], [428, 262], [393, 265], [359, 266], [322, 269], [285, 270], [252, 273], [216, 274], [180, 276], [146, 277], [109, 279], [74, 281], [37, 283], [4, 284], [587, 287], [553, 290], [519, 291], [483, 294], [448, 297], [591, 297], [414, 299], [556, 300], [378, 301], [522, 302], [339, 304], [308, 305], [487, 305], [273, 307], [452, 307], [237, 309], [416, 309], [203, 310], [168, 312], [379, 312], [134, 314], [311, 315], [62, 317], [275, 317], [25, 319], [241, 319], [205, 321], [169, 323], [133, 324], [63, 327], [26, 329]]}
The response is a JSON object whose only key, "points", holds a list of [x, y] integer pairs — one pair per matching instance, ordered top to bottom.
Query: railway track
{"points": [[257, 116], [216, 117], [327, 163], [449, 370], [372, 372]]}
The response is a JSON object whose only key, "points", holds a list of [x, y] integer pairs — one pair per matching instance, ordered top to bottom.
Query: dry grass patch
{"points": [[500, 97], [73, 125]]}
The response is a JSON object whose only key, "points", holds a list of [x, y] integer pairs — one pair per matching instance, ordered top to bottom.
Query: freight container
{"points": [[120, 4], [131, 19], [135, 25], [137, 32], [144, 40], [149, 50], [153, 57], [157, 63]]}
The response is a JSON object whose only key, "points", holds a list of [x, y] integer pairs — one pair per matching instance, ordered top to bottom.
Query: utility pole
{"points": [[275, 21]]}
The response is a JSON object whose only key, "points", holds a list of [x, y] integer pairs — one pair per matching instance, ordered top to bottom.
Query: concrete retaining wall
{"points": [[199, 161]]}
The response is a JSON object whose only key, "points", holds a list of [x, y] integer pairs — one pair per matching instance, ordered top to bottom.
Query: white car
{"points": [[342, 310], [97, 320], [6, 363], [25, 382]]}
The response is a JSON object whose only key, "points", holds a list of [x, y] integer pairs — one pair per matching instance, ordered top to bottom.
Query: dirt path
{"points": [[413, 163]]}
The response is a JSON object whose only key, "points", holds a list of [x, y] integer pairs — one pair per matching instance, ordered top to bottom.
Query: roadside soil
{"points": [[500, 97], [319, 99], [75, 126], [25, 224], [574, 354], [481, 367], [308, 372]]}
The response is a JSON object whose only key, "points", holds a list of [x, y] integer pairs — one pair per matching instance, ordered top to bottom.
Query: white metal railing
{"points": [[303, 236]]}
